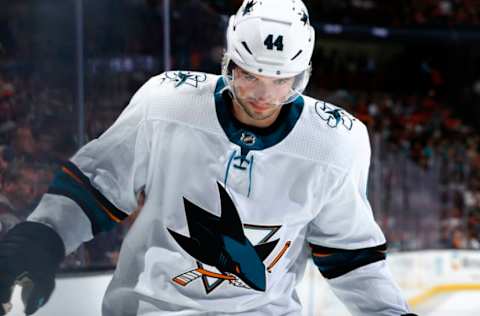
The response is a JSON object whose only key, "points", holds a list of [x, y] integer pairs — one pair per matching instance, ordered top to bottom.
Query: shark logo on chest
{"points": [[220, 242]]}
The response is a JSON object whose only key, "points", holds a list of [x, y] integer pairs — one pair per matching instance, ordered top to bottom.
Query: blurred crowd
{"points": [[399, 13], [133, 28], [410, 107], [420, 122], [32, 141], [444, 147]]}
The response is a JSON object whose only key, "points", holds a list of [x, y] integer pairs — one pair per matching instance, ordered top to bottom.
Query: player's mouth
{"points": [[260, 107]]}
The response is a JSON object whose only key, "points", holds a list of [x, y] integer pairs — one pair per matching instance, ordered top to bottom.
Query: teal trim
{"points": [[250, 137], [264, 137], [232, 156], [250, 168], [65, 185], [97, 194]]}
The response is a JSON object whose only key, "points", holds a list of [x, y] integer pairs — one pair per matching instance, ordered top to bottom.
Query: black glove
{"points": [[30, 254]]}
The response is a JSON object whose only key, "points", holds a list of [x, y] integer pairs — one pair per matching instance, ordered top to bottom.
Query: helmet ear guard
{"points": [[271, 38]]}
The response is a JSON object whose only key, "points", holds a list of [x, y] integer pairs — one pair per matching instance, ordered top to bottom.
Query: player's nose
{"points": [[262, 94]]}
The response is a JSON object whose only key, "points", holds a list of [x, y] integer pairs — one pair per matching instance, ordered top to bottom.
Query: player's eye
{"points": [[247, 76], [281, 82]]}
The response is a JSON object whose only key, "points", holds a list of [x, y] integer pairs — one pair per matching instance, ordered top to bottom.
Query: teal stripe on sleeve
{"points": [[71, 183]]}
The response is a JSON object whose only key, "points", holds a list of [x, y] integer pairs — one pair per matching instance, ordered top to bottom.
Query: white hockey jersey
{"points": [[230, 210]]}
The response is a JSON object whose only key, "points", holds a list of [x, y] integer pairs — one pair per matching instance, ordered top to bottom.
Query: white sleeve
{"points": [[98, 186], [345, 219], [349, 247], [370, 290]]}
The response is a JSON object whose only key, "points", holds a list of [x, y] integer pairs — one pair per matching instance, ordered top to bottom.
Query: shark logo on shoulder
{"points": [[249, 7], [187, 78], [334, 116], [221, 242]]}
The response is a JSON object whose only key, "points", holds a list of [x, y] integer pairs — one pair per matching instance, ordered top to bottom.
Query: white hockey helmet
{"points": [[271, 38]]}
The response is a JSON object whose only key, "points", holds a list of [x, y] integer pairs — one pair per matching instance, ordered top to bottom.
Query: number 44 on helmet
{"points": [[271, 38]]}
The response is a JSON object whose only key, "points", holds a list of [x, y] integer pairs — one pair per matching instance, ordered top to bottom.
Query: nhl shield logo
{"points": [[248, 138]]}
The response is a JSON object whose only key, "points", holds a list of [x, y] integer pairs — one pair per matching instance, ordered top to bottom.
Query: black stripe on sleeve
{"points": [[70, 182], [98, 195], [333, 262]]}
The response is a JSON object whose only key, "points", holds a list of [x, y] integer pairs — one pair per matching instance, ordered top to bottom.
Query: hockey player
{"points": [[245, 179]]}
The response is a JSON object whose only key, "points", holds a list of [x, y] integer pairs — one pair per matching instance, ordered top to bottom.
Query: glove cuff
{"points": [[35, 247]]}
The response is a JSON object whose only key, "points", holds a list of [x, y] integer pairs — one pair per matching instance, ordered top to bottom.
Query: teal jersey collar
{"points": [[249, 137]]}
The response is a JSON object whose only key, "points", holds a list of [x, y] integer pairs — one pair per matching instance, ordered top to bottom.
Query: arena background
{"points": [[408, 69]]}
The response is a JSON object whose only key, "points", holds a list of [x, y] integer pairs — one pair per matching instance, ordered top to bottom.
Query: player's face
{"points": [[259, 97]]}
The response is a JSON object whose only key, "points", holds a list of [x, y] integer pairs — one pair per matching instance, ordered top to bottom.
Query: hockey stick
{"points": [[279, 256], [189, 276]]}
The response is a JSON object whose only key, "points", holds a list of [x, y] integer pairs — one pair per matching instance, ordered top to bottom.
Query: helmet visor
{"points": [[263, 91]]}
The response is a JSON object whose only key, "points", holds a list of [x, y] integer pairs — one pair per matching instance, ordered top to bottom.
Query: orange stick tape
{"points": [[279, 256], [215, 275]]}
